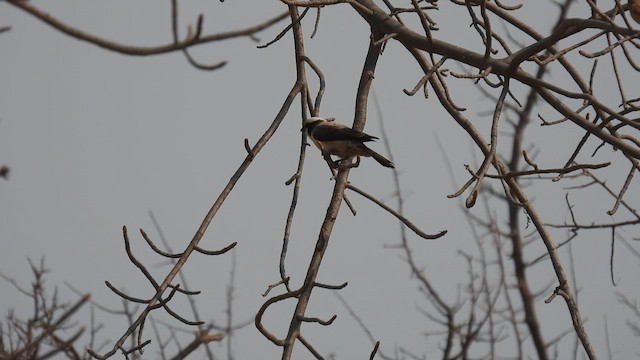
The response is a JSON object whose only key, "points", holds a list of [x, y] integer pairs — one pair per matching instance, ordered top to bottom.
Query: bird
{"points": [[634, 10], [337, 139]]}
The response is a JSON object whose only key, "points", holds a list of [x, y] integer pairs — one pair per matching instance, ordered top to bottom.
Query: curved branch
{"points": [[193, 39], [404, 220]]}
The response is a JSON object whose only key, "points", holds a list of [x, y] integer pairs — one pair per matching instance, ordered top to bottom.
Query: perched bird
{"points": [[634, 10], [340, 140]]}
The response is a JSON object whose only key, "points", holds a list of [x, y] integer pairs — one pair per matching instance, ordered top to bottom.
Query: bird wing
{"points": [[332, 132]]}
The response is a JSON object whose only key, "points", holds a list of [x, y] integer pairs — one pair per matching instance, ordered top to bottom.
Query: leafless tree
{"points": [[511, 72], [46, 332]]}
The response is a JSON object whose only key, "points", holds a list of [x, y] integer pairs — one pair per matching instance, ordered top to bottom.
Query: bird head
{"points": [[311, 122]]}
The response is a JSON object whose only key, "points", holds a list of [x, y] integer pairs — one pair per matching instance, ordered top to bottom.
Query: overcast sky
{"points": [[96, 140]]}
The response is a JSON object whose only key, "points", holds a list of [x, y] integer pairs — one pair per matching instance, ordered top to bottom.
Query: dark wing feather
{"points": [[324, 132]]}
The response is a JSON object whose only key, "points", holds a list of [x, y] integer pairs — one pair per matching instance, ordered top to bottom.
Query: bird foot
{"points": [[344, 164]]}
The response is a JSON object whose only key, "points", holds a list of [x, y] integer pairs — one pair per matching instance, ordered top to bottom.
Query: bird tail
{"points": [[379, 158]]}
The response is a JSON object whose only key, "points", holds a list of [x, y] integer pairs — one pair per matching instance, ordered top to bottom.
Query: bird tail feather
{"points": [[379, 158]]}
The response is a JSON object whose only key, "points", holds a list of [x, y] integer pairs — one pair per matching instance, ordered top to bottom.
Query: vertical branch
{"points": [[301, 79], [366, 79], [489, 158], [297, 177], [334, 206], [515, 235], [314, 265], [563, 288], [528, 299], [229, 310]]}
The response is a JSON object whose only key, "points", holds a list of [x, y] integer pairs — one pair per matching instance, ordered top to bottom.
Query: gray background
{"points": [[95, 140]]}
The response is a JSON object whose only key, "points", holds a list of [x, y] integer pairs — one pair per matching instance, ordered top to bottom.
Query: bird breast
{"points": [[341, 148]]}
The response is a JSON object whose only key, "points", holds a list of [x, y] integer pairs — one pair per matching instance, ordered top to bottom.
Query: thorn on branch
{"points": [[317, 23], [199, 26], [286, 29], [194, 35], [384, 39], [480, 75], [423, 82], [315, 111], [248, 148], [528, 160], [292, 179], [464, 187], [624, 189], [471, 200], [351, 207], [157, 249], [216, 252], [284, 281], [331, 287], [185, 291], [558, 291], [125, 296], [551, 297], [163, 302], [181, 319], [318, 320], [139, 348], [375, 350]]}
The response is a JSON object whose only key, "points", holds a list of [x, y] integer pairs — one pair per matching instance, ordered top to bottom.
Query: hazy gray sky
{"points": [[95, 140]]}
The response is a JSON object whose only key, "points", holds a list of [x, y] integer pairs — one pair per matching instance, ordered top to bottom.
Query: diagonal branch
{"points": [[207, 220]]}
